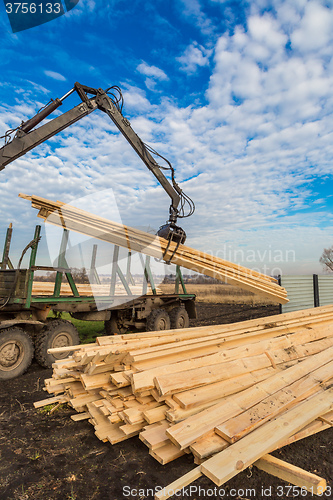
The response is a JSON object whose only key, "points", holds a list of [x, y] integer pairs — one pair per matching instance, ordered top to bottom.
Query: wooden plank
{"points": [[57, 213], [94, 369], [119, 379], [61, 380], [95, 381], [177, 382], [75, 389], [124, 392], [195, 397], [145, 400], [51, 401], [81, 401], [117, 403], [132, 403], [156, 414], [179, 414], [135, 415], [80, 416], [132, 417], [115, 418], [326, 421], [310, 429], [131, 430], [116, 435], [155, 437], [208, 445], [166, 453], [241, 454], [291, 474], [177, 486]]}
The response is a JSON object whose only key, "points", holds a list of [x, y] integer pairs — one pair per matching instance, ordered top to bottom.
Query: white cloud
{"points": [[84, 7], [192, 10], [265, 30], [315, 31], [195, 55], [152, 71], [55, 75], [154, 75], [38, 88], [135, 99]]}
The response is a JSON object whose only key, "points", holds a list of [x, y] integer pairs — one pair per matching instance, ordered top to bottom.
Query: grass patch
{"points": [[88, 330], [45, 409], [48, 409], [36, 455]]}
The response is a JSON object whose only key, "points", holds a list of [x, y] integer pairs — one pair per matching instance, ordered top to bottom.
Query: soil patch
{"points": [[217, 314]]}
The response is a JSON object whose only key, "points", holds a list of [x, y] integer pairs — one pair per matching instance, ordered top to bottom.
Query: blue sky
{"points": [[237, 95]]}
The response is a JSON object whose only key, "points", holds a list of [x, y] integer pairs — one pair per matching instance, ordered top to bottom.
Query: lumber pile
{"points": [[72, 218], [44, 288], [228, 394]]}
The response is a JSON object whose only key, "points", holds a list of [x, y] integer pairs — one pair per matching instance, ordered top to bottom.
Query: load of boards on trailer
{"points": [[29, 310]]}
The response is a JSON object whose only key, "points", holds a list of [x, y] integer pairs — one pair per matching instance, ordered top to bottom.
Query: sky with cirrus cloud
{"points": [[237, 95]]}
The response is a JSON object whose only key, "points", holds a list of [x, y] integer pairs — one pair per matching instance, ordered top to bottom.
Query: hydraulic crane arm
{"points": [[105, 104], [27, 138]]}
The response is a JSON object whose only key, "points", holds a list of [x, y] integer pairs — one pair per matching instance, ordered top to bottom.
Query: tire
{"points": [[179, 318], [158, 320], [113, 328], [56, 333], [16, 352]]}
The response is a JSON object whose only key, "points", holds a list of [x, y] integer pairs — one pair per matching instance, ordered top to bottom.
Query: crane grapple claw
{"points": [[171, 232]]}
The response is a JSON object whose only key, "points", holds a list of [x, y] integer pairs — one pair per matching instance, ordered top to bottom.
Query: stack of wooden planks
{"points": [[72, 218], [44, 288], [228, 394]]}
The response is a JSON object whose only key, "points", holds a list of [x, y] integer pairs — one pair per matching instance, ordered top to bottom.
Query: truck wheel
{"points": [[179, 318], [158, 320], [113, 328], [56, 333], [16, 352]]}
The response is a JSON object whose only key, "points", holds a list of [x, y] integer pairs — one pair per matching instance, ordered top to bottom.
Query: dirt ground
{"points": [[46, 456]]}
